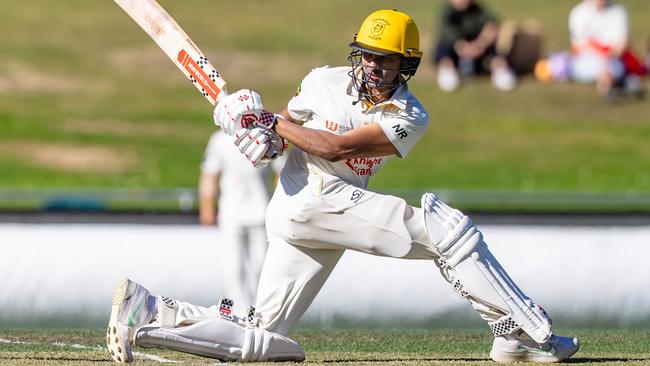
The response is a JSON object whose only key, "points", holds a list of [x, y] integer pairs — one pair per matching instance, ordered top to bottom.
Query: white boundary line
{"points": [[94, 348]]}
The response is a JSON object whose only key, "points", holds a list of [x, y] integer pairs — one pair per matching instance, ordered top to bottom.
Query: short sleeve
{"points": [[301, 105], [406, 128], [212, 157]]}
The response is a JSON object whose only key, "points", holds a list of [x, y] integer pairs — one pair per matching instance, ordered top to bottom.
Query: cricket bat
{"points": [[178, 46]]}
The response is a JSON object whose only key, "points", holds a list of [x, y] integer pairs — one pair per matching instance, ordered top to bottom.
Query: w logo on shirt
{"points": [[332, 126]]}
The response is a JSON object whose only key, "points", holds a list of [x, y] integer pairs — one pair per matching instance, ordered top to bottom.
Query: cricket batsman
{"points": [[344, 123]]}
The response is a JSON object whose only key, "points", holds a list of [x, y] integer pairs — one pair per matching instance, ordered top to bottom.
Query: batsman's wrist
{"points": [[275, 123]]}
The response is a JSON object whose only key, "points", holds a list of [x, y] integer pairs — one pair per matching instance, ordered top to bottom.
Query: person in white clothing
{"points": [[600, 50], [344, 124], [243, 193]]}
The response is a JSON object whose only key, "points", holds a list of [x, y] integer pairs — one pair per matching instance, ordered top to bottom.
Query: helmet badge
{"points": [[378, 27]]}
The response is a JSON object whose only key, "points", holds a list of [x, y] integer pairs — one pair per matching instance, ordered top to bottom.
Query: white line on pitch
{"points": [[94, 348]]}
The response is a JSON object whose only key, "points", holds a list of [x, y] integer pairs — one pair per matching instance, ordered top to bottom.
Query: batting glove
{"points": [[242, 109], [260, 145]]}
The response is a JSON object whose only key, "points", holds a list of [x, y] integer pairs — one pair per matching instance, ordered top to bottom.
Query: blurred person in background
{"points": [[467, 45], [600, 47], [600, 52], [243, 193]]}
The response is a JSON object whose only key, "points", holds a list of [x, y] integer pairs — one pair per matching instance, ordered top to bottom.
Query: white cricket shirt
{"points": [[606, 26], [326, 101], [243, 189]]}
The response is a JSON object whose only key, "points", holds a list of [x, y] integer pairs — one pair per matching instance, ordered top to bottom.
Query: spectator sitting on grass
{"points": [[466, 46], [600, 47], [600, 52]]}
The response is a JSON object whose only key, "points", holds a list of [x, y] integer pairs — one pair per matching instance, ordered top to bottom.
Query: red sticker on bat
{"points": [[199, 75]]}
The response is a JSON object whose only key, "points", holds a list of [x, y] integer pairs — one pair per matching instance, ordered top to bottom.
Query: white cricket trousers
{"points": [[311, 220]]}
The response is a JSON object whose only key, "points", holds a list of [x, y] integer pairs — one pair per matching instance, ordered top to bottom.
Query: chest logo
{"points": [[331, 125], [401, 133], [363, 166]]}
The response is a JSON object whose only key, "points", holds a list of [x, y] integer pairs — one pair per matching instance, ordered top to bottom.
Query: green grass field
{"points": [[88, 100], [326, 347]]}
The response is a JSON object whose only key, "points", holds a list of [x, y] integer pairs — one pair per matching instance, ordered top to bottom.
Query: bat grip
{"points": [[224, 93]]}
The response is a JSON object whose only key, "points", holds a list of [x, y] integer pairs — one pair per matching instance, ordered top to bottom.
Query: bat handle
{"points": [[221, 95]]}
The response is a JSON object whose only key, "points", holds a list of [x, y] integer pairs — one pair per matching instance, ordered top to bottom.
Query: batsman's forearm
{"points": [[368, 141], [320, 143]]}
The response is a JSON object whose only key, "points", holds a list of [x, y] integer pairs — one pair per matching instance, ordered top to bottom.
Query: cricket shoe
{"points": [[129, 312], [524, 349]]}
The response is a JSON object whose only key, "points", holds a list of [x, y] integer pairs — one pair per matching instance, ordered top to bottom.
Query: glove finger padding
{"points": [[239, 136], [254, 144], [257, 149]]}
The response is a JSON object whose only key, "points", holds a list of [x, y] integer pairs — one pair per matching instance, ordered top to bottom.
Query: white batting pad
{"points": [[468, 265], [222, 339]]}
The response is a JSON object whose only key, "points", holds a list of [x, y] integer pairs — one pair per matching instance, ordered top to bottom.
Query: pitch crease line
{"points": [[95, 348]]}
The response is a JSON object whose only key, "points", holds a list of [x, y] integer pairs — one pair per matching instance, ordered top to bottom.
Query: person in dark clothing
{"points": [[466, 45]]}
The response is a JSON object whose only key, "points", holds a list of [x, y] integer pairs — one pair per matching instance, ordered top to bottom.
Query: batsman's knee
{"points": [[452, 234]]}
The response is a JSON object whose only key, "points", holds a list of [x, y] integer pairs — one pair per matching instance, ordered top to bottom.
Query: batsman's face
{"points": [[380, 70]]}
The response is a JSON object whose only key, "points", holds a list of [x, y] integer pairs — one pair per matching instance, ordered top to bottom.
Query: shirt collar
{"points": [[398, 99]]}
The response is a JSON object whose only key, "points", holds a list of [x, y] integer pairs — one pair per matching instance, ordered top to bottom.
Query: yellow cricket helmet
{"points": [[389, 32]]}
